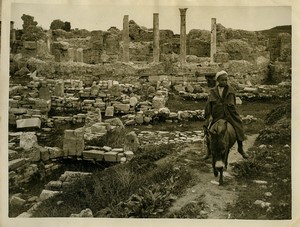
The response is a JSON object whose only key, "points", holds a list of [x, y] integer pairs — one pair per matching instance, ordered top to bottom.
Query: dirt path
{"points": [[215, 197]]}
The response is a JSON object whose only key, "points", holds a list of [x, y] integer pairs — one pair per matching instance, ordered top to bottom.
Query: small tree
{"points": [[57, 24], [67, 26]]}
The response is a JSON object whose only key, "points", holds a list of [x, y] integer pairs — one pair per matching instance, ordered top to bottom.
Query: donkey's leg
{"points": [[214, 166], [221, 176]]}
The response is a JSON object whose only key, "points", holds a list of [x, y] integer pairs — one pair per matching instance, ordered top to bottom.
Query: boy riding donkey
{"points": [[221, 105]]}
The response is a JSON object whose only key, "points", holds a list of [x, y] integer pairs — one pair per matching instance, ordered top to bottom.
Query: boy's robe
{"points": [[224, 108]]}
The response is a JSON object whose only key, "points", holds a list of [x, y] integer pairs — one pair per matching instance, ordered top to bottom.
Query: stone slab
{"points": [[29, 123], [93, 154], [110, 156], [14, 164]]}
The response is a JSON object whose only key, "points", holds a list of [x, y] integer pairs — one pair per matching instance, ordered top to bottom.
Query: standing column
{"points": [[12, 31], [182, 35], [155, 38], [125, 39], [213, 39]]}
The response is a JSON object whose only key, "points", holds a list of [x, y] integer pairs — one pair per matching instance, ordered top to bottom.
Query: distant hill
{"points": [[273, 32]]}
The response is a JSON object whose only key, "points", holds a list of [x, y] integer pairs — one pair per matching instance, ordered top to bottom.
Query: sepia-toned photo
{"points": [[161, 112]]}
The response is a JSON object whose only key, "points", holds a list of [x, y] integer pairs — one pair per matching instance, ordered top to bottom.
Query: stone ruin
{"points": [[101, 82]]}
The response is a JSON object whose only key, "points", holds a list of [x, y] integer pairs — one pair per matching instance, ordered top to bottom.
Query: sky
{"points": [[102, 14]]}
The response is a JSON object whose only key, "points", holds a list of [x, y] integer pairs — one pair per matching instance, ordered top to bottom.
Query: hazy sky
{"points": [[103, 14]]}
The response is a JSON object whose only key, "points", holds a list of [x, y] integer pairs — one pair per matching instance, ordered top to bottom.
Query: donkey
{"points": [[221, 138]]}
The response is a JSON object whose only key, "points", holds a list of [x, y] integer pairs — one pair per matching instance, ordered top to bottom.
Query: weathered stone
{"points": [[189, 88], [59, 89], [251, 89], [44, 92], [133, 101], [239, 101], [158, 102], [120, 107], [164, 111], [109, 112], [139, 118], [147, 119], [115, 122], [130, 122], [29, 123], [98, 128], [28, 140], [131, 142], [106, 148], [118, 150], [55, 152], [12, 154], [35, 154], [93, 154], [129, 155], [110, 156], [120, 156], [14, 164], [54, 185], [46, 194], [16, 201], [87, 213]]}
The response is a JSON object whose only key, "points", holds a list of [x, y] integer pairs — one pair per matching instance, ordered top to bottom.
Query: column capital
{"points": [[183, 11]]}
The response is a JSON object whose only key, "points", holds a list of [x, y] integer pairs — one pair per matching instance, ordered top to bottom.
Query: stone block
{"points": [[59, 89], [44, 93], [133, 101], [158, 102], [120, 107], [109, 112], [139, 118], [115, 122], [29, 123], [98, 128], [69, 134], [28, 140], [69, 146], [79, 147], [106, 148], [118, 150], [55, 152], [12, 154], [35, 154], [44, 154], [93, 154], [129, 155], [110, 156], [120, 156], [16, 163], [54, 185], [46, 194], [16, 201], [87, 213]]}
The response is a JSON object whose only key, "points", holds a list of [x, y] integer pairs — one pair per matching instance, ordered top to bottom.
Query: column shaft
{"points": [[182, 35], [155, 37], [126, 38], [213, 39]]}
